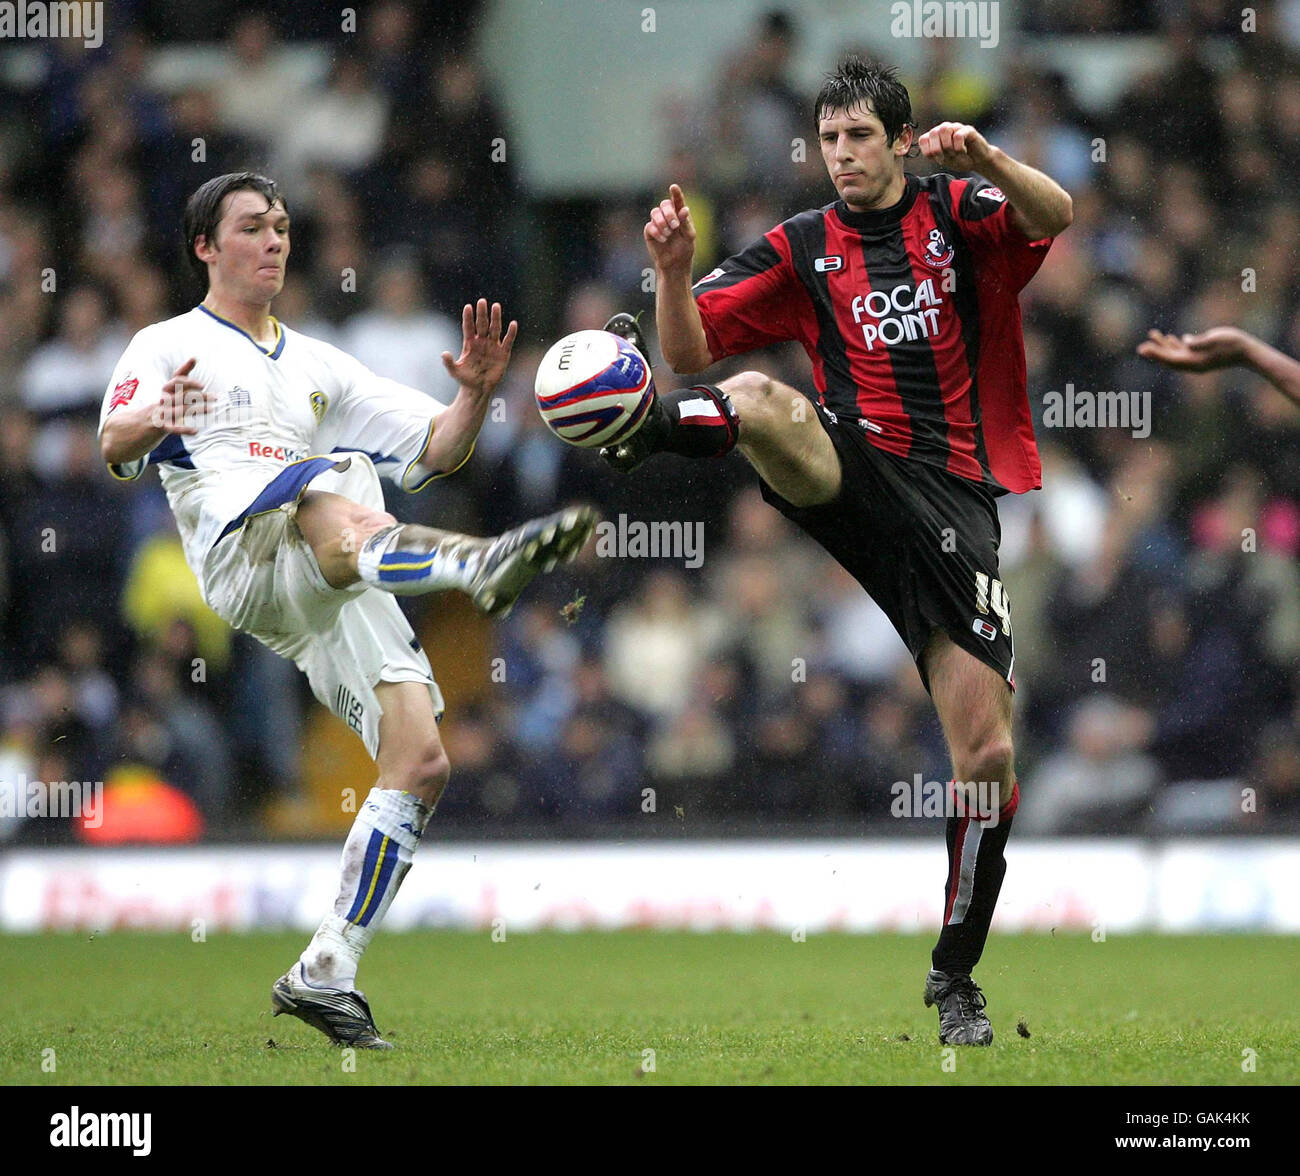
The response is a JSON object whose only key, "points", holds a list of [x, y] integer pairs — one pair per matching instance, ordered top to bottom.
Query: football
{"points": [[593, 388]]}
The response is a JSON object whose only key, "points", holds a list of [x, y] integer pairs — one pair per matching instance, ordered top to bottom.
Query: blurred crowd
{"points": [[1153, 580]]}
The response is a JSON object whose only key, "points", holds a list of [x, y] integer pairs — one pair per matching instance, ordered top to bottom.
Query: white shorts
{"points": [[263, 579]]}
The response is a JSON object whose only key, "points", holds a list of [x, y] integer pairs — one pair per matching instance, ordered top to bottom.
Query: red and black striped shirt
{"points": [[910, 315]]}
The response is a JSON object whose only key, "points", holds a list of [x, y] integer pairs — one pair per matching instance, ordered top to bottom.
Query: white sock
{"points": [[409, 560], [376, 857]]}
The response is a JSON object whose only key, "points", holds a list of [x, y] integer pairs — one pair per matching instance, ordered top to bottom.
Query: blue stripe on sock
{"points": [[390, 573], [367, 872], [381, 887]]}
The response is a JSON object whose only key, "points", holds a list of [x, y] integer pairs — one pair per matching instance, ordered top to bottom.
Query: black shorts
{"points": [[921, 541]]}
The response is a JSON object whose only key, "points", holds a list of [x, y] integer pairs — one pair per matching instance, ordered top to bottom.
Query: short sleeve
{"points": [[984, 217], [751, 299], [137, 379], [390, 422]]}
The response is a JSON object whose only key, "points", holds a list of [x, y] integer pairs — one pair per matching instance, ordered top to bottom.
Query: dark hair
{"points": [[869, 85], [203, 210]]}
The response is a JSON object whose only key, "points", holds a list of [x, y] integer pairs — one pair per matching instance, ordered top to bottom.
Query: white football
{"points": [[594, 388]]}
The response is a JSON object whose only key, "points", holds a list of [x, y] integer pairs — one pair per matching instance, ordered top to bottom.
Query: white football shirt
{"points": [[275, 408]]}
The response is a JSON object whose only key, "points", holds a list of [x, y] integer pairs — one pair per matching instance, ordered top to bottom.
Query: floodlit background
{"points": [[512, 149]]}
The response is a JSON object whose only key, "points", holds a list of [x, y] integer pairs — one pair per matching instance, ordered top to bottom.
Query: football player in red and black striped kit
{"points": [[903, 292]]}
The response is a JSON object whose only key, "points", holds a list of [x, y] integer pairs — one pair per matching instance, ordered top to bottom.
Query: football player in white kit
{"points": [[270, 445]]}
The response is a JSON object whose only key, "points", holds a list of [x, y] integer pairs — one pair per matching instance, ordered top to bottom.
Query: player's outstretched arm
{"points": [[1040, 207], [670, 240], [1221, 347], [484, 355], [133, 430]]}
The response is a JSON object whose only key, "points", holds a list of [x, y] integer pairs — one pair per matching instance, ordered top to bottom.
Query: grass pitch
{"points": [[713, 1008]]}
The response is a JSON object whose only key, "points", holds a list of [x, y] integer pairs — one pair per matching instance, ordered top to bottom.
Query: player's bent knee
{"points": [[752, 395], [330, 519], [366, 524], [990, 759], [425, 773]]}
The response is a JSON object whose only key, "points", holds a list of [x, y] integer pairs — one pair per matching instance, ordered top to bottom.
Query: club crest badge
{"points": [[938, 253]]}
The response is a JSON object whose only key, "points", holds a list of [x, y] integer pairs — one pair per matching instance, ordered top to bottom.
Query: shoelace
{"points": [[968, 995]]}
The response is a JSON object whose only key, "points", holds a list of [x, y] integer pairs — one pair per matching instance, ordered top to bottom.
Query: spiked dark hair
{"points": [[866, 84], [203, 210]]}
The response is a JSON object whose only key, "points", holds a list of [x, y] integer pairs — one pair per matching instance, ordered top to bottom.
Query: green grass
{"points": [[556, 1008]]}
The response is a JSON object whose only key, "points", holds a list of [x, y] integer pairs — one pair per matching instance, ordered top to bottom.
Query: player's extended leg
{"points": [[772, 424], [781, 438], [352, 542], [974, 705], [413, 771]]}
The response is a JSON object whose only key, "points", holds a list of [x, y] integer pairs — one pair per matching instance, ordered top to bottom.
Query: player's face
{"points": [[863, 167], [252, 248]]}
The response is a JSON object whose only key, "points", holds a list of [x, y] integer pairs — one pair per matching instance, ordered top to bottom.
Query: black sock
{"points": [[703, 422], [976, 866]]}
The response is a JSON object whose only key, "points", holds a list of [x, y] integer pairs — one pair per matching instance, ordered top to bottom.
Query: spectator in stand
{"points": [[391, 52], [259, 86], [761, 112], [459, 121], [339, 125], [195, 147], [114, 234], [24, 307], [400, 337], [69, 373], [67, 547], [160, 589], [656, 645], [539, 659], [95, 697], [191, 748], [489, 770], [1274, 775], [1103, 782]]}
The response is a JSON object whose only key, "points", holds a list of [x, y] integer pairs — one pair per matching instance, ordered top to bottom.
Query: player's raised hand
{"points": [[958, 146], [670, 233], [1216, 348], [485, 351], [182, 397]]}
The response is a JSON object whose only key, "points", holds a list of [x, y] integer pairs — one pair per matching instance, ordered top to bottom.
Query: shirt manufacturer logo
{"points": [[826, 265]]}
